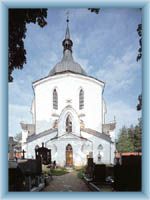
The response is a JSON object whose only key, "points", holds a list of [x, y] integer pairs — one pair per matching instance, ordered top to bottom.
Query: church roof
{"points": [[67, 63], [97, 134]]}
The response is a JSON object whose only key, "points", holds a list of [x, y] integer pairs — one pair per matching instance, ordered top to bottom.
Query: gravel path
{"points": [[67, 183]]}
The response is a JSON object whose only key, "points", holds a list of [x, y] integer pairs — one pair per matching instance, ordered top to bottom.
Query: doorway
{"points": [[69, 156]]}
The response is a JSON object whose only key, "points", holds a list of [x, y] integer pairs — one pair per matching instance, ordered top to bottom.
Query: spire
{"points": [[67, 36], [67, 42], [67, 62]]}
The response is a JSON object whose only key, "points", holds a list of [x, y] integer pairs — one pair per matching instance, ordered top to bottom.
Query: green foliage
{"points": [[95, 10], [18, 19], [139, 30], [139, 106], [138, 137], [130, 139], [124, 143], [59, 171], [54, 172], [81, 172]]}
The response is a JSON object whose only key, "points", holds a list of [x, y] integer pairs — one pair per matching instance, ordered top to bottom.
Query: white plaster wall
{"points": [[68, 86], [33, 110], [104, 111], [75, 121], [112, 135], [24, 136], [30, 146], [58, 148], [113, 149], [105, 153], [59, 154], [79, 158]]}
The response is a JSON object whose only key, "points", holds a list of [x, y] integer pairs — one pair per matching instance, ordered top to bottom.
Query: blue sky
{"points": [[106, 47]]}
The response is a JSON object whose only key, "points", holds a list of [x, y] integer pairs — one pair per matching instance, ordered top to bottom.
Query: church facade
{"points": [[68, 115]]}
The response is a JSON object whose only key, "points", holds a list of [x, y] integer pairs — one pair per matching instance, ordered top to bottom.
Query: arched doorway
{"points": [[69, 155]]}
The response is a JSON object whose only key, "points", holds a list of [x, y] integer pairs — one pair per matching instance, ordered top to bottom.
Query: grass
{"points": [[59, 171], [54, 172], [81, 172]]}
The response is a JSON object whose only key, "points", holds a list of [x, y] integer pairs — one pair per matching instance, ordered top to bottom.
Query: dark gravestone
{"points": [[43, 153], [31, 167], [89, 168], [110, 171], [99, 173], [127, 176], [16, 179]]}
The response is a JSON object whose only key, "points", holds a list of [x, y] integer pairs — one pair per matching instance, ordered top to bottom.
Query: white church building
{"points": [[68, 115]]}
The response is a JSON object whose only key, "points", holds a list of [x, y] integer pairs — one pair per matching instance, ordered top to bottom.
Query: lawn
{"points": [[54, 172]]}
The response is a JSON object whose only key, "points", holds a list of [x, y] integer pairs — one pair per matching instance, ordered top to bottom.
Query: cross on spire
{"points": [[67, 13], [67, 36]]}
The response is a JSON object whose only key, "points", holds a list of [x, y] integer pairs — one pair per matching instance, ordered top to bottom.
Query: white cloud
{"points": [[84, 62], [119, 72], [18, 113], [124, 114]]}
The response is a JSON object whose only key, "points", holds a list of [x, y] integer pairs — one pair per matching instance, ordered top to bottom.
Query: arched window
{"points": [[55, 99], [81, 99], [68, 124], [100, 147]]}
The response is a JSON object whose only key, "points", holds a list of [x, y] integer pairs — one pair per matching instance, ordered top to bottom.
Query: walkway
{"points": [[67, 183]]}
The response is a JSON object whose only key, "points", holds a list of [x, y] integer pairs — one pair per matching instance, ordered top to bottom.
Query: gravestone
{"points": [[43, 153], [89, 168], [99, 173], [128, 175]]}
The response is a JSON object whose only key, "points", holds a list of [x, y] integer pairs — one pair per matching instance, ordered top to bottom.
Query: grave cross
{"points": [[23, 152]]}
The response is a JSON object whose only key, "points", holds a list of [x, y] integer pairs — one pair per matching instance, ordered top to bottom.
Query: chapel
{"points": [[68, 115]]}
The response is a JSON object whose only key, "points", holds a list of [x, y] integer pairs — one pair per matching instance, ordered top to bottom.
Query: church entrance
{"points": [[69, 156]]}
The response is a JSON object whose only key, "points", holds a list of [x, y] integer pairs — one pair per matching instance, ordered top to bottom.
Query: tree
{"points": [[95, 10], [18, 19], [139, 30], [139, 56], [139, 106], [138, 137], [18, 138], [130, 139], [124, 143]]}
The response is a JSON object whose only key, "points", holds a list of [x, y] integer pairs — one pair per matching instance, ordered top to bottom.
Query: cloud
{"points": [[84, 62], [119, 72], [19, 92], [18, 113], [124, 114]]}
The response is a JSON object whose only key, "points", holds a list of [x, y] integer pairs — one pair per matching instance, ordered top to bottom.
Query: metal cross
{"points": [[67, 13]]}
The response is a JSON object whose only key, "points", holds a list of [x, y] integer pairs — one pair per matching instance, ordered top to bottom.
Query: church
{"points": [[68, 115]]}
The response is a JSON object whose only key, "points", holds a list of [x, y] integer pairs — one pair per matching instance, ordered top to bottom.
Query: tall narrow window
{"points": [[55, 99], [81, 99], [68, 124]]}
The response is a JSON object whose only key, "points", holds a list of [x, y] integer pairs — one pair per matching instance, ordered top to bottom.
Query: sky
{"points": [[104, 44]]}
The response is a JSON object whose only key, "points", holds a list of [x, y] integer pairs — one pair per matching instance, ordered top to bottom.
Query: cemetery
{"points": [[26, 174], [36, 174], [125, 175]]}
